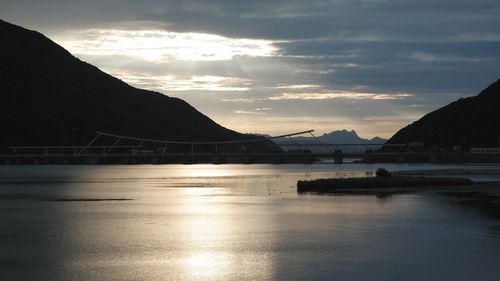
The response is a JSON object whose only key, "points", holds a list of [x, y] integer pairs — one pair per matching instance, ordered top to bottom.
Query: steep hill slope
{"points": [[50, 97], [469, 122]]}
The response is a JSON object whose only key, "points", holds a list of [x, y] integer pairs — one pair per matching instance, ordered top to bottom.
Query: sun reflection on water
{"points": [[206, 170], [239, 225], [204, 233], [210, 247], [207, 264]]}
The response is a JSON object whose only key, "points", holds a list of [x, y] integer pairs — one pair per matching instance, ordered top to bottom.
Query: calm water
{"points": [[231, 222]]}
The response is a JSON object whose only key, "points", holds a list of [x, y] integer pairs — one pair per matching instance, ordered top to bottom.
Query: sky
{"points": [[277, 67]]}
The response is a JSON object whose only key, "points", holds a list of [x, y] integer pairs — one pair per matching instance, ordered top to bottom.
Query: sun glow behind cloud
{"points": [[160, 45], [223, 76], [183, 83], [206, 83], [299, 86], [337, 95], [347, 95], [255, 111]]}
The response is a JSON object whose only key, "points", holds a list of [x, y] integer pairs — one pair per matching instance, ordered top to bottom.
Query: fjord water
{"points": [[232, 222]]}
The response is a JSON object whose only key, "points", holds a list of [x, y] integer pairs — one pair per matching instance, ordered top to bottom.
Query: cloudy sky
{"points": [[283, 66]]}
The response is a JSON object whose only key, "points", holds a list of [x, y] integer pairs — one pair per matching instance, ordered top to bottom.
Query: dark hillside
{"points": [[50, 97], [469, 122]]}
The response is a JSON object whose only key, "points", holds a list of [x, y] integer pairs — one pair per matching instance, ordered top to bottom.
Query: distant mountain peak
{"points": [[345, 136], [339, 137], [377, 139]]}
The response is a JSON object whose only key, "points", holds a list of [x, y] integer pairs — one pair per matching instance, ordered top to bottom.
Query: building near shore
{"points": [[485, 150]]}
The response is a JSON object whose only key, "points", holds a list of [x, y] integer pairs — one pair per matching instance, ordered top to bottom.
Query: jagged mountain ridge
{"points": [[337, 137]]}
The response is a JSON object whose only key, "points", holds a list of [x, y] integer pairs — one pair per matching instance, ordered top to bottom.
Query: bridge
{"points": [[107, 148]]}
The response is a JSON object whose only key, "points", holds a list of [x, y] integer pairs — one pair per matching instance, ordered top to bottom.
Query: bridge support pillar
{"points": [[217, 159], [369, 159], [339, 160]]}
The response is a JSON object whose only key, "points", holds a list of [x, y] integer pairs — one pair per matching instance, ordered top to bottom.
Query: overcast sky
{"points": [[283, 66]]}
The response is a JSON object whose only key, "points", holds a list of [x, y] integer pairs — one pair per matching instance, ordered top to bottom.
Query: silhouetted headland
{"points": [[50, 97], [468, 122]]}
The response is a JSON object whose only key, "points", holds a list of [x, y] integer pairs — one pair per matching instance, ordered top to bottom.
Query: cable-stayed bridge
{"points": [[107, 148]]}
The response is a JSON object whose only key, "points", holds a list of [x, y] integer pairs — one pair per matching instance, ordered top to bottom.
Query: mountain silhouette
{"points": [[50, 97], [468, 122], [337, 137], [348, 137]]}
